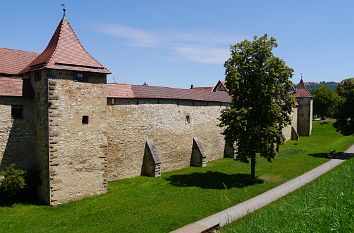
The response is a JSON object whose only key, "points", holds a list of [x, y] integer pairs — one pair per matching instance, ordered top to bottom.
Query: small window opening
{"points": [[37, 76], [80, 77], [110, 101], [16, 112], [188, 119], [85, 120]]}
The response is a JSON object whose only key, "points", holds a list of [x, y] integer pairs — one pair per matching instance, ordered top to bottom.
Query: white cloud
{"points": [[137, 37], [201, 47], [203, 55]]}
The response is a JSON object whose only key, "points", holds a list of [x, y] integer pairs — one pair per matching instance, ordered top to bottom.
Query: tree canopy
{"points": [[325, 101], [261, 105], [345, 115]]}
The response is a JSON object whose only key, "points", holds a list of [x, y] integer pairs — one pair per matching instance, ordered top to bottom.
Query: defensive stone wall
{"points": [[40, 88], [305, 112], [171, 124], [288, 129], [17, 135], [77, 145]]}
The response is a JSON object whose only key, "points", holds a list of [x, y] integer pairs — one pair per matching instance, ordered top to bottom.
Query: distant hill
{"points": [[313, 85]]}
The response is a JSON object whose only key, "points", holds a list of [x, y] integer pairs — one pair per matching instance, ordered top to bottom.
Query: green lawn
{"points": [[145, 204], [326, 205]]}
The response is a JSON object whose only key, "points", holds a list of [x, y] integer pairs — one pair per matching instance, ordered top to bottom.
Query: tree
{"points": [[325, 101], [261, 104], [345, 115], [13, 182]]}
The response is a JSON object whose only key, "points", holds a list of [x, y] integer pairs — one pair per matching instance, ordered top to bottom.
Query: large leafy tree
{"points": [[325, 101], [261, 105], [345, 115]]}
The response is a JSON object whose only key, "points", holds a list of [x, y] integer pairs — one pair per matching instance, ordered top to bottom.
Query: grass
{"points": [[145, 204], [326, 205]]}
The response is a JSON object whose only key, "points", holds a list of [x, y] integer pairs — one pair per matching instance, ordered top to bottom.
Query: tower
{"points": [[70, 99], [305, 109]]}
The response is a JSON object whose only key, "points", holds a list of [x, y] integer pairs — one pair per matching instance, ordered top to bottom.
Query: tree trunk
{"points": [[253, 167]]}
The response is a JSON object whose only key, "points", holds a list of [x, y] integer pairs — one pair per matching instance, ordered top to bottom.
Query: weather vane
{"points": [[64, 8], [301, 75]]}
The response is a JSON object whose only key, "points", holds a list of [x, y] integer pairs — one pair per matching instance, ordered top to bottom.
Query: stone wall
{"points": [[40, 88], [305, 111], [171, 124], [287, 129], [17, 135], [77, 153]]}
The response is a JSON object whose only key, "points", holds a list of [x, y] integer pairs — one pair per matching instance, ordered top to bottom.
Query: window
{"points": [[37, 76], [80, 77], [110, 101], [16, 112], [188, 119], [85, 120]]}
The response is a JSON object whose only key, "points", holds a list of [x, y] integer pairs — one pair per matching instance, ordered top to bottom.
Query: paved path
{"points": [[231, 214]]}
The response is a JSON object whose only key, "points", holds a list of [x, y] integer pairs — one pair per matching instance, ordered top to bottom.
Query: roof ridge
{"points": [[56, 43], [20, 50]]}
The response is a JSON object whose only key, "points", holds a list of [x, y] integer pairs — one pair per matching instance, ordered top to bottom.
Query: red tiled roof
{"points": [[65, 51], [13, 61], [14, 87], [203, 88], [301, 90], [154, 92]]}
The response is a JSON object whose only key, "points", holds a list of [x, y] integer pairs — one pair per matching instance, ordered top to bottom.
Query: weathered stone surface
{"points": [[305, 113], [128, 126], [287, 130], [294, 134], [17, 135], [229, 150], [79, 158], [198, 158], [151, 162]]}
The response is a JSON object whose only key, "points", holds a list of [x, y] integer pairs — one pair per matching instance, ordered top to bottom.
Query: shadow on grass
{"points": [[337, 155], [213, 180]]}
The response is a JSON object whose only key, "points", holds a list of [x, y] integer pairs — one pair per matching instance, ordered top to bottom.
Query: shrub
{"points": [[13, 182]]}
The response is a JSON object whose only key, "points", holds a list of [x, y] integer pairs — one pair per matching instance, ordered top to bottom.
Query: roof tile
{"points": [[65, 51], [13, 61], [15, 87], [301, 90], [155, 92]]}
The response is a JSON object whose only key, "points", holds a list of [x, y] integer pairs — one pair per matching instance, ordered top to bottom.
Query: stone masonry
{"points": [[78, 136]]}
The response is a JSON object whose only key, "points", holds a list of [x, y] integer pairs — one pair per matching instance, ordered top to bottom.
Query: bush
{"points": [[13, 182]]}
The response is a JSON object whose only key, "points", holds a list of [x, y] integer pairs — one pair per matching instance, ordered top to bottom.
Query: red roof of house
{"points": [[65, 51], [13, 61], [15, 87], [203, 88], [301, 90], [155, 92]]}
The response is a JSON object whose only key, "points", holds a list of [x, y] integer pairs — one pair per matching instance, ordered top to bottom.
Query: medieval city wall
{"points": [[39, 83], [305, 112], [171, 124], [287, 130], [17, 135], [77, 153]]}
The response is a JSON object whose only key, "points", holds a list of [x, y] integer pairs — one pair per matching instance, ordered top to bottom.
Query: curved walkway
{"points": [[231, 214]]}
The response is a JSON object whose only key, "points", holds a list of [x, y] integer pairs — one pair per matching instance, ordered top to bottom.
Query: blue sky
{"points": [[183, 42]]}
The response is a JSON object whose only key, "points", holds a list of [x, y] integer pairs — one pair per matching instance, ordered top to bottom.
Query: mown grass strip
{"points": [[145, 204], [326, 205]]}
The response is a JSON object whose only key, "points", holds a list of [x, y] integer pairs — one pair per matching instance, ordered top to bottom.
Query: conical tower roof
{"points": [[65, 51], [301, 90]]}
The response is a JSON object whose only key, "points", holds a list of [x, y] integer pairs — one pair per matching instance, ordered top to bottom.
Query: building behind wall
{"points": [[58, 116]]}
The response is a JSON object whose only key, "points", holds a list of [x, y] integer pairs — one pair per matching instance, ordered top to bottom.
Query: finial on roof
{"points": [[64, 9], [301, 75]]}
